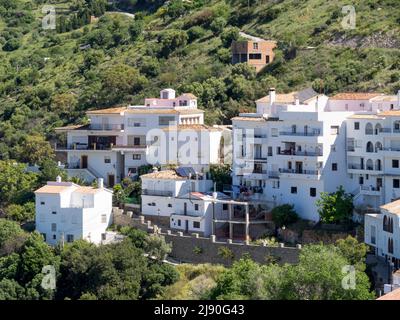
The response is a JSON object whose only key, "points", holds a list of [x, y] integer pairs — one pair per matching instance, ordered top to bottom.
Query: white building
{"points": [[119, 140], [293, 148], [176, 201], [67, 212], [382, 232]]}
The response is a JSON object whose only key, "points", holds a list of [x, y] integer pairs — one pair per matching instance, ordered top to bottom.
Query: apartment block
{"points": [[117, 141], [300, 144]]}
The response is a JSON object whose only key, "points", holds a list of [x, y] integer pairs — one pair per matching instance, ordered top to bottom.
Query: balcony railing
{"points": [[106, 127], [300, 134], [256, 135], [83, 146], [130, 146], [391, 149], [301, 153], [356, 166], [296, 171], [162, 193]]}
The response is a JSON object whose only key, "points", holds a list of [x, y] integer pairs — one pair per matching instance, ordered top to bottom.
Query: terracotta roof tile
{"points": [[390, 113], [192, 127], [164, 174], [52, 189], [392, 207], [394, 295]]}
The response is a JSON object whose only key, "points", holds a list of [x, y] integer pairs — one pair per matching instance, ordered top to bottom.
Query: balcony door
{"points": [[84, 162], [299, 167]]}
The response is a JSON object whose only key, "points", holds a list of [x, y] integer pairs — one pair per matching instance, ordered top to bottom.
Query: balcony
{"points": [[106, 127], [300, 134], [82, 147], [134, 147], [301, 153], [296, 171], [370, 190], [158, 193]]}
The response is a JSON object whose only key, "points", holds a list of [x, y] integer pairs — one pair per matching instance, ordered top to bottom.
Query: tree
{"points": [[218, 25], [135, 30], [229, 35], [171, 40], [12, 44], [35, 149], [49, 171], [221, 174], [16, 184], [336, 207], [21, 213], [284, 215], [11, 236], [156, 247], [353, 251]]}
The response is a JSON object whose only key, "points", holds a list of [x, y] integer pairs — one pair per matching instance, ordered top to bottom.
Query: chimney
{"points": [[271, 96], [155, 169], [58, 179], [100, 183]]}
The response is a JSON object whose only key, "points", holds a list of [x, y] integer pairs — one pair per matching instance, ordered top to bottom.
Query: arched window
{"points": [[378, 128], [369, 129], [370, 146], [378, 146], [370, 164], [378, 165], [385, 223], [391, 225]]}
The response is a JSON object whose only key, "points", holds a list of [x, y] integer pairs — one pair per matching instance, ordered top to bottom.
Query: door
{"points": [[84, 162], [299, 167], [111, 180], [379, 183], [185, 208]]}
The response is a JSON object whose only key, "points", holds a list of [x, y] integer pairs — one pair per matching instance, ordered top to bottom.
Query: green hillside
{"points": [[48, 78]]}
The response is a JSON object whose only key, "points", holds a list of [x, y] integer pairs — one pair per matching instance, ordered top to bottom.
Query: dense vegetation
{"points": [[82, 270]]}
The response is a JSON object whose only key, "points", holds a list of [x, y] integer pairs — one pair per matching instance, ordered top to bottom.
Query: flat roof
{"points": [[355, 95]]}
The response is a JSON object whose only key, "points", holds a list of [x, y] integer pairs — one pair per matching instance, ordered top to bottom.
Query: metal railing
{"points": [[106, 127], [300, 134], [83, 146], [301, 153], [356, 166], [296, 171], [162, 193]]}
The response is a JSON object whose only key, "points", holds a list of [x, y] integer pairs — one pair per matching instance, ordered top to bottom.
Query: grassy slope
{"points": [[295, 24]]}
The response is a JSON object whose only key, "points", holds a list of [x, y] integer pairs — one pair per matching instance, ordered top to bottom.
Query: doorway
{"points": [[84, 162], [111, 180]]}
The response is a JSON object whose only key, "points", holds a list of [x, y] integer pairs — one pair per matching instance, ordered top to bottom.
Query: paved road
{"points": [[130, 15]]}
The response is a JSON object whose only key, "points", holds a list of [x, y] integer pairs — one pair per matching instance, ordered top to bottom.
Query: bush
{"points": [[218, 25], [195, 32], [229, 35], [11, 45], [224, 55], [284, 215], [226, 253]]}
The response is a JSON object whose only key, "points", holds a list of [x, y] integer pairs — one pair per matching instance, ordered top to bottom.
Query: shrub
{"points": [[195, 32], [229, 35], [284, 215], [197, 250], [226, 253]]}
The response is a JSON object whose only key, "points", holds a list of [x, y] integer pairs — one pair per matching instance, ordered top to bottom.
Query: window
{"points": [[255, 46], [255, 56], [165, 120], [356, 126], [334, 130], [274, 132], [333, 148], [269, 151], [136, 156], [107, 159], [395, 163], [334, 166], [132, 171], [361, 180], [396, 183], [275, 184], [293, 190], [313, 192], [42, 203], [169, 205], [224, 206], [196, 207], [54, 212], [103, 218], [179, 223], [196, 225], [54, 227], [373, 232], [44, 236], [54, 237], [70, 237]]}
